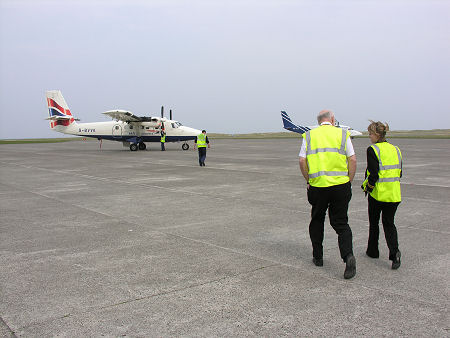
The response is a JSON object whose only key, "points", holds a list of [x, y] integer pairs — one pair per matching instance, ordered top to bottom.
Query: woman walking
{"points": [[382, 183]]}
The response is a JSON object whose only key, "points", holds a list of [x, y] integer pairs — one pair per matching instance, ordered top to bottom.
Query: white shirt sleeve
{"points": [[349, 148], [303, 150]]}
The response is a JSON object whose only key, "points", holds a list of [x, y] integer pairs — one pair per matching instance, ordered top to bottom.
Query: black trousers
{"points": [[163, 147], [201, 155], [335, 199], [387, 210]]}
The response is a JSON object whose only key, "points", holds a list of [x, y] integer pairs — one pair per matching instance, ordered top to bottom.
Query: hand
{"points": [[366, 189]]}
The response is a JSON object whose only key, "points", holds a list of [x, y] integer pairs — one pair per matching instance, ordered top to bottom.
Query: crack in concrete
{"points": [[3, 323]]}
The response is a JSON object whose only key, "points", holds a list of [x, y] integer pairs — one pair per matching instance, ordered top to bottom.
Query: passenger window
{"points": [[117, 127], [131, 127], [142, 127]]}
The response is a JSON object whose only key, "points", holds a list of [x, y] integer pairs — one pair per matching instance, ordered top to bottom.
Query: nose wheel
{"points": [[185, 146]]}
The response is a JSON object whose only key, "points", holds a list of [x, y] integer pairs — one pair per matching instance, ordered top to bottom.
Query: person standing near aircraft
{"points": [[163, 140], [201, 141], [328, 163], [382, 184]]}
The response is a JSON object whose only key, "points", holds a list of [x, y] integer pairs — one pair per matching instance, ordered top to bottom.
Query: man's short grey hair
{"points": [[325, 115]]}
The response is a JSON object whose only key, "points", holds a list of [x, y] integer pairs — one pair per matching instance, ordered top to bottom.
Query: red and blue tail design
{"points": [[58, 110]]}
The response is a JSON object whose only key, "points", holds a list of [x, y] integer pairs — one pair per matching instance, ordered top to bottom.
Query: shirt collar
{"points": [[326, 122]]}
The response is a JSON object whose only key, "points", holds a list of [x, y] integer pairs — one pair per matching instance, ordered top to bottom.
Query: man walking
{"points": [[163, 140], [201, 141], [328, 163]]}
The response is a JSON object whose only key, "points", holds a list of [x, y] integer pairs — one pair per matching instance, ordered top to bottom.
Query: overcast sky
{"points": [[226, 66]]}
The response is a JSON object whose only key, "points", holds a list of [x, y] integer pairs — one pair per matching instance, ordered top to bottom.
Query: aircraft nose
{"points": [[192, 131]]}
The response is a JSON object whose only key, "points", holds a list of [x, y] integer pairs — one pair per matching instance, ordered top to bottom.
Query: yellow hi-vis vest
{"points": [[163, 138], [201, 141], [326, 155], [387, 188]]}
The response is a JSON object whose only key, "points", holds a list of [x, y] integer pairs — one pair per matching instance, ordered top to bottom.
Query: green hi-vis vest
{"points": [[163, 138], [201, 141], [326, 155], [387, 188]]}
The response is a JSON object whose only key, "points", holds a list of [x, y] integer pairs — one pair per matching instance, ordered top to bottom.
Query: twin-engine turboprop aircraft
{"points": [[288, 125], [133, 131]]}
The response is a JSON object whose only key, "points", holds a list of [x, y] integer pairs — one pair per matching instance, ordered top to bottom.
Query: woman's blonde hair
{"points": [[378, 129]]}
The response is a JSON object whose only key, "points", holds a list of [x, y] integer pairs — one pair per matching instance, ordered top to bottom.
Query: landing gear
{"points": [[142, 146], [185, 146], [133, 147]]}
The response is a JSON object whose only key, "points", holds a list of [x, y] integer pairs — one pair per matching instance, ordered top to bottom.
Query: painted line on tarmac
{"points": [[427, 185], [64, 190], [424, 200], [180, 226]]}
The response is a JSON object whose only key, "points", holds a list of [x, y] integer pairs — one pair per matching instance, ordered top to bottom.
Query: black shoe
{"points": [[372, 254], [318, 261], [396, 262], [350, 267]]}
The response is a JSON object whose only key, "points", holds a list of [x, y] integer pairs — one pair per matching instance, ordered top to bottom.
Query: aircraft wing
{"points": [[123, 115], [126, 116]]}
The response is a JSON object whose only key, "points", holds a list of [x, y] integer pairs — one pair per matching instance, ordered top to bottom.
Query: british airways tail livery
{"points": [[288, 125], [133, 131]]}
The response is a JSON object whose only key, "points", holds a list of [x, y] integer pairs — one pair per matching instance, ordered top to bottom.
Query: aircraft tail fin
{"points": [[58, 110], [287, 122], [288, 125]]}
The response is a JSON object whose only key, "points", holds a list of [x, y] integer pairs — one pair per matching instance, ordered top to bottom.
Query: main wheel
{"points": [[142, 146], [185, 146], [133, 147]]}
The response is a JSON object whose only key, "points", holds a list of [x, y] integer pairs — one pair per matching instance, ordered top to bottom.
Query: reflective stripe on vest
{"points": [[201, 141], [340, 150], [327, 164], [387, 167], [328, 173], [387, 188]]}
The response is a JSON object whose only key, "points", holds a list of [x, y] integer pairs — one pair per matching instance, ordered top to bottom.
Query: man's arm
{"points": [[351, 167], [304, 168]]}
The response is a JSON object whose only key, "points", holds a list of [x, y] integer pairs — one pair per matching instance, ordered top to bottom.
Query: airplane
{"points": [[288, 125], [133, 131]]}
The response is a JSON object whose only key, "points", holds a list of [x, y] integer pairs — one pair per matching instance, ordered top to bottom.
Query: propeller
{"points": [[162, 111], [171, 114]]}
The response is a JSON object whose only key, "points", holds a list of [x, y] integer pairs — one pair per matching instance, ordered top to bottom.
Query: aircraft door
{"points": [[117, 130]]}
